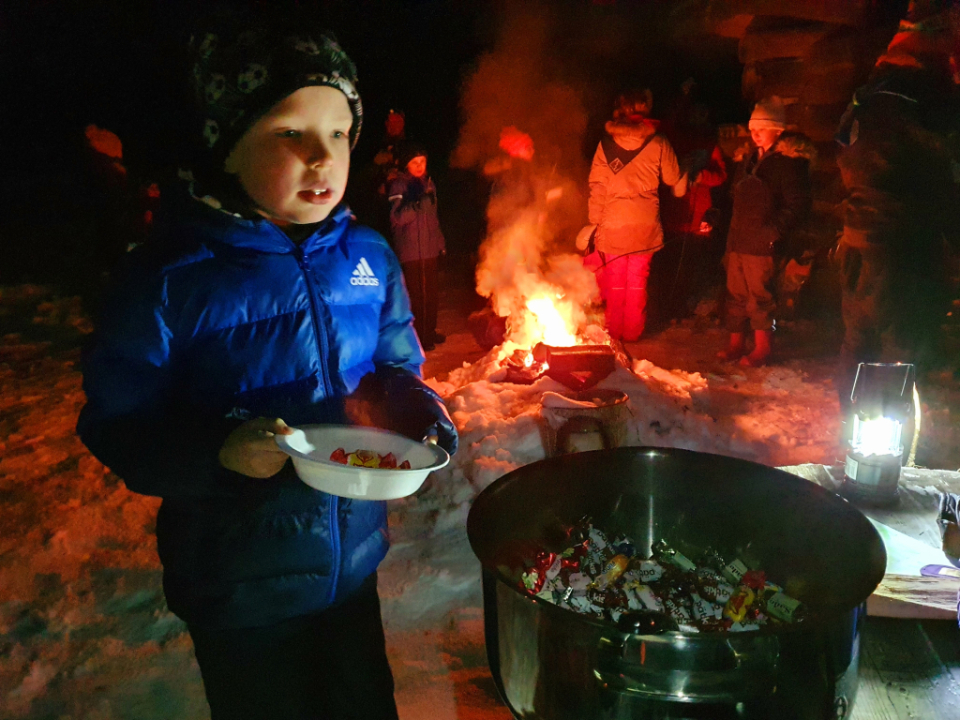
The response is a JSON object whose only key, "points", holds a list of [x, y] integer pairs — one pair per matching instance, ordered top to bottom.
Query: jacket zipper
{"points": [[315, 301], [335, 541]]}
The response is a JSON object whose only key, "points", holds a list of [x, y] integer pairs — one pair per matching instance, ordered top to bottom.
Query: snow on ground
{"points": [[84, 630]]}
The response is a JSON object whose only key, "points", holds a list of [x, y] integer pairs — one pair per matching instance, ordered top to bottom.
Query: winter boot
{"points": [[735, 349], [761, 349]]}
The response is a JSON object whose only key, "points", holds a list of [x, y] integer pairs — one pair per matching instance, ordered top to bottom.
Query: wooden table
{"points": [[910, 646]]}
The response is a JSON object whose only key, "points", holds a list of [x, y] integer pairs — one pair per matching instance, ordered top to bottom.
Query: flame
{"points": [[554, 329]]}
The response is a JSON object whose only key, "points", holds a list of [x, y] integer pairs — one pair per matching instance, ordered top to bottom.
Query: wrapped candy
{"points": [[368, 459], [598, 540], [665, 553], [555, 567], [649, 570], [612, 571], [734, 571], [708, 575], [607, 578], [756, 580], [532, 581], [712, 587], [768, 590], [644, 597], [582, 603], [739, 603], [783, 607], [676, 608], [704, 609], [719, 624]]}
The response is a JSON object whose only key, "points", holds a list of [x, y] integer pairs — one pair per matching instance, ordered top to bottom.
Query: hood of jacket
{"points": [[626, 132], [631, 135], [795, 145]]}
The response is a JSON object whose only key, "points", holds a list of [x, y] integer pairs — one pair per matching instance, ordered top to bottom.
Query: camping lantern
{"points": [[883, 403]]}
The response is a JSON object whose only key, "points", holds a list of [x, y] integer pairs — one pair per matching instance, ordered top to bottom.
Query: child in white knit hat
{"points": [[771, 194]]}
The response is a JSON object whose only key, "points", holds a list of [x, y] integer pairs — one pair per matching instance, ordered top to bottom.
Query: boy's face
{"points": [[764, 137], [294, 161], [418, 166]]}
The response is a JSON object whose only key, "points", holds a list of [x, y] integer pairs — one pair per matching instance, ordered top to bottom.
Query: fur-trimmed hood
{"points": [[638, 132], [796, 145]]}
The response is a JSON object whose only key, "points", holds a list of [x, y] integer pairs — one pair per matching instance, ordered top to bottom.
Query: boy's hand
{"points": [[251, 450]]}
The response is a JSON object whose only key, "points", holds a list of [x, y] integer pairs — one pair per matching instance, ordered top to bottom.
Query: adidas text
{"points": [[363, 275]]}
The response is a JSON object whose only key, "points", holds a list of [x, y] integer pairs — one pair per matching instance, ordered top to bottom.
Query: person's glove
{"points": [[412, 193], [584, 237], [415, 410]]}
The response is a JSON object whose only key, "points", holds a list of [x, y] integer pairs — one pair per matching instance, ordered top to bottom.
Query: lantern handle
{"points": [[909, 377]]}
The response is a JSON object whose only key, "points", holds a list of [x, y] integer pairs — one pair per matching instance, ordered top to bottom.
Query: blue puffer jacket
{"points": [[218, 320]]}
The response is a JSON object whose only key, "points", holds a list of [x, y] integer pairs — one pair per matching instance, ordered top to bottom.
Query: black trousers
{"points": [[421, 278], [332, 664]]}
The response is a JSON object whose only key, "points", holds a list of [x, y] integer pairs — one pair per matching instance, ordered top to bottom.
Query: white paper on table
{"points": [[905, 555]]}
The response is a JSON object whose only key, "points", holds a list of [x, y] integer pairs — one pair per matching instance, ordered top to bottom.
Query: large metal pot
{"points": [[555, 664]]}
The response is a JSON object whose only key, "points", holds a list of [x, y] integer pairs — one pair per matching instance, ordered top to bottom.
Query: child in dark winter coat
{"points": [[771, 194], [417, 239], [260, 304]]}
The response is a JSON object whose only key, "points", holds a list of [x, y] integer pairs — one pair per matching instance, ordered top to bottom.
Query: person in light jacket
{"points": [[630, 163], [417, 239]]}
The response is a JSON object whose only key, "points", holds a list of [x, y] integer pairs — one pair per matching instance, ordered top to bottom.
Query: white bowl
{"points": [[310, 447]]}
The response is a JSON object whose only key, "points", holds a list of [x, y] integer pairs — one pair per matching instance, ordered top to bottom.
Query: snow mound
{"points": [[777, 417]]}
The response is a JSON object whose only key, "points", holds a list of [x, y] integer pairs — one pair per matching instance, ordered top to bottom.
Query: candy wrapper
{"points": [[368, 459], [665, 553], [612, 571], [734, 571], [605, 578], [739, 603], [783, 607]]}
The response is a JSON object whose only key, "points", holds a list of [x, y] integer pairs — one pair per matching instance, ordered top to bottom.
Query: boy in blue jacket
{"points": [[260, 304]]}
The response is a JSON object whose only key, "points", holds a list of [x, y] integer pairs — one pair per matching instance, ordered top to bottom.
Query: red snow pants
{"points": [[623, 286]]}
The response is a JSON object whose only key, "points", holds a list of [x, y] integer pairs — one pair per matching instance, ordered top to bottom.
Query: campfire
{"points": [[543, 293], [544, 339]]}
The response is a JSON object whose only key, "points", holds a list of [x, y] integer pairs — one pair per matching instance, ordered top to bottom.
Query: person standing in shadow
{"points": [[417, 238]]}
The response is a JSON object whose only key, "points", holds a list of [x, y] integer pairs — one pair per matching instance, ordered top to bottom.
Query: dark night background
{"points": [[70, 63]]}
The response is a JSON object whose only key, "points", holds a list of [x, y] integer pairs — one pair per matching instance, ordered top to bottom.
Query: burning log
{"points": [[488, 328], [579, 366], [522, 369]]}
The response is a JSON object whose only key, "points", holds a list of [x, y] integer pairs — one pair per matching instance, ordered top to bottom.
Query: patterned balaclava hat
{"points": [[242, 68]]}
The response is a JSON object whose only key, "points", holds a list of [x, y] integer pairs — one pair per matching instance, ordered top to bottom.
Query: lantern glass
{"points": [[877, 436]]}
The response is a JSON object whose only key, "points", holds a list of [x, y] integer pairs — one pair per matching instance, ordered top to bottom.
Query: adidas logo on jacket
{"points": [[363, 275]]}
